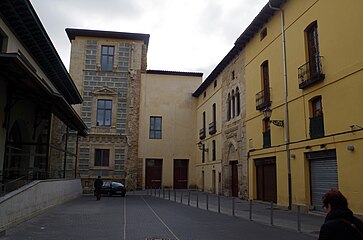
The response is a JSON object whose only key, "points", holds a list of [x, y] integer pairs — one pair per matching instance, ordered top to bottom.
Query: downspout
{"points": [[287, 132]]}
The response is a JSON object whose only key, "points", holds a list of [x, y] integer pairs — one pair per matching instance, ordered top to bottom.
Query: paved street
{"points": [[141, 217]]}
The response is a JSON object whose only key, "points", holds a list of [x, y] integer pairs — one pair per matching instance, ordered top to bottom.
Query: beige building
{"points": [[107, 67], [167, 144]]}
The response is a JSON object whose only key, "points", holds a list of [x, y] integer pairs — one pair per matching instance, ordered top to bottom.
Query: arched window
{"points": [[238, 101], [233, 105], [229, 107]]}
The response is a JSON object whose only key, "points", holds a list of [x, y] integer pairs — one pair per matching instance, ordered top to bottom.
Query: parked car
{"points": [[113, 188]]}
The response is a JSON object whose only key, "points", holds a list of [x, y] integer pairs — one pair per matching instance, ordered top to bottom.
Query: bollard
{"points": [[155, 192], [159, 192], [163, 193], [169, 194], [174, 195], [181, 197], [189, 198], [197, 200], [207, 201], [219, 203], [233, 205], [272, 214], [250, 217], [298, 219]]}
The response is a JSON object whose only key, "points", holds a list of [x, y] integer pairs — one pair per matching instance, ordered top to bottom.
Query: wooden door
{"points": [[153, 173], [181, 174], [234, 179]]}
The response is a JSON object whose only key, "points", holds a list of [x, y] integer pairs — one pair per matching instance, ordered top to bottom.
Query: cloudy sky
{"points": [[185, 35]]}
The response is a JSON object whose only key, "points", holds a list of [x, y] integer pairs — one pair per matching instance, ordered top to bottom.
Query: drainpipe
{"points": [[287, 132]]}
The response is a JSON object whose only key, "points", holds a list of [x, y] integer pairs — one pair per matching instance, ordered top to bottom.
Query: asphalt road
{"points": [[141, 217]]}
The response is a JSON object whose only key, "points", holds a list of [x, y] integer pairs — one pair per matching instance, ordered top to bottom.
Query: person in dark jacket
{"points": [[98, 186], [340, 222]]}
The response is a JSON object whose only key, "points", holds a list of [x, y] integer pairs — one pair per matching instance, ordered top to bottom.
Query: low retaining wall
{"points": [[30, 200]]}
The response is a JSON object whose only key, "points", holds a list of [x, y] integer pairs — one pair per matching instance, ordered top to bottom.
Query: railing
{"points": [[311, 72], [263, 99], [317, 126], [212, 127], [202, 133]]}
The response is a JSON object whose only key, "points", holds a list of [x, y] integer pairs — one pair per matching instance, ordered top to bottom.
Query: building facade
{"points": [[107, 67], [39, 128], [304, 135], [167, 144]]}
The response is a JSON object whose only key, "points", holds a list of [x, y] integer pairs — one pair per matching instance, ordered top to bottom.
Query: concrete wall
{"points": [[32, 199]]}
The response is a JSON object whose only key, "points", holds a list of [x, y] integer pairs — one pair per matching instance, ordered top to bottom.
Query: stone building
{"points": [[107, 67]]}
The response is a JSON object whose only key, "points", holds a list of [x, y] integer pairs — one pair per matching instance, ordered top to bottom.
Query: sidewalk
{"points": [[308, 223]]}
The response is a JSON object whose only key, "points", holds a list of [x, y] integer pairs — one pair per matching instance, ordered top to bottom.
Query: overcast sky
{"points": [[185, 35]]}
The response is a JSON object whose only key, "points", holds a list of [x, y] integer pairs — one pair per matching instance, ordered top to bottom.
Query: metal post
{"points": [[159, 192], [163, 193], [169, 194], [174, 195], [181, 197], [189, 198], [197, 200], [207, 200], [219, 204], [233, 204], [272, 213], [250, 217], [298, 219]]}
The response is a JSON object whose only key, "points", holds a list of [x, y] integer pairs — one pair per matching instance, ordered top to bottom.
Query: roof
{"points": [[21, 18], [256, 25], [72, 33], [177, 73]]}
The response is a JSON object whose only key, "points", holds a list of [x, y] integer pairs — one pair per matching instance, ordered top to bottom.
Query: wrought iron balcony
{"points": [[311, 72], [263, 99], [317, 126], [212, 128], [202, 133], [267, 139]]}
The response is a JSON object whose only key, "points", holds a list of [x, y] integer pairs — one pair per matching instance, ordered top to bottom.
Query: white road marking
{"points": [[160, 219]]}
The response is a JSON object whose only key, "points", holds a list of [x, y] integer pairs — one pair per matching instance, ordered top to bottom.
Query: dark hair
{"points": [[336, 199]]}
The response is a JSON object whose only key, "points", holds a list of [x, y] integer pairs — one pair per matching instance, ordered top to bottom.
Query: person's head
{"points": [[334, 199]]}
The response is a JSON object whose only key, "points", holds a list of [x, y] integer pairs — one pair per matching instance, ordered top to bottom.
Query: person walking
{"points": [[98, 186], [340, 223]]}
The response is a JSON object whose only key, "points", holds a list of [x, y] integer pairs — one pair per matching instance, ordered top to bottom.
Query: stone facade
{"points": [[121, 86], [233, 128]]}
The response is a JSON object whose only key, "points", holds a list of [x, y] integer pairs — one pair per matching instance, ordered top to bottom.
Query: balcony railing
{"points": [[311, 72], [263, 99], [317, 126], [212, 128], [202, 133], [267, 139]]}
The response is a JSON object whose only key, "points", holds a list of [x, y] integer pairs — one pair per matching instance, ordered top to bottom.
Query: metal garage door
{"points": [[323, 176]]}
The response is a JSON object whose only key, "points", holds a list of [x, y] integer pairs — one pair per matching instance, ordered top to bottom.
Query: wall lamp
{"points": [[267, 113], [200, 146]]}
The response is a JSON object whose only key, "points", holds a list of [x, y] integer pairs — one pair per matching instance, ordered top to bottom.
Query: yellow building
{"points": [[304, 126], [167, 147]]}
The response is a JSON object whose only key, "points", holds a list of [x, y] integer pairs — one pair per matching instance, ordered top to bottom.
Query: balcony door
{"points": [[313, 48]]}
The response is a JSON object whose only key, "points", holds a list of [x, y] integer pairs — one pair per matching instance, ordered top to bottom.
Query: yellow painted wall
{"points": [[340, 37], [213, 95], [170, 97]]}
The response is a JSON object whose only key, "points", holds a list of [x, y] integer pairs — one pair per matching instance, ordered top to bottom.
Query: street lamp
{"points": [[267, 113], [201, 147]]}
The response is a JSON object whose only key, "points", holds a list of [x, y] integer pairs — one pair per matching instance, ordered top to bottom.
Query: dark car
{"points": [[113, 188]]}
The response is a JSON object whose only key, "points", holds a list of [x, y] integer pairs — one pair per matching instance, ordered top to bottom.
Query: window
{"points": [[263, 34], [313, 47], [107, 57], [233, 75], [215, 83], [204, 94], [263, 97], [238, 98], [233, 104], [229, 107], [104, 109], [214, 110], [316, 119], [204, 120], [155, 128], [266, 133], [213, 150], [203, 153], [102, 157]]}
